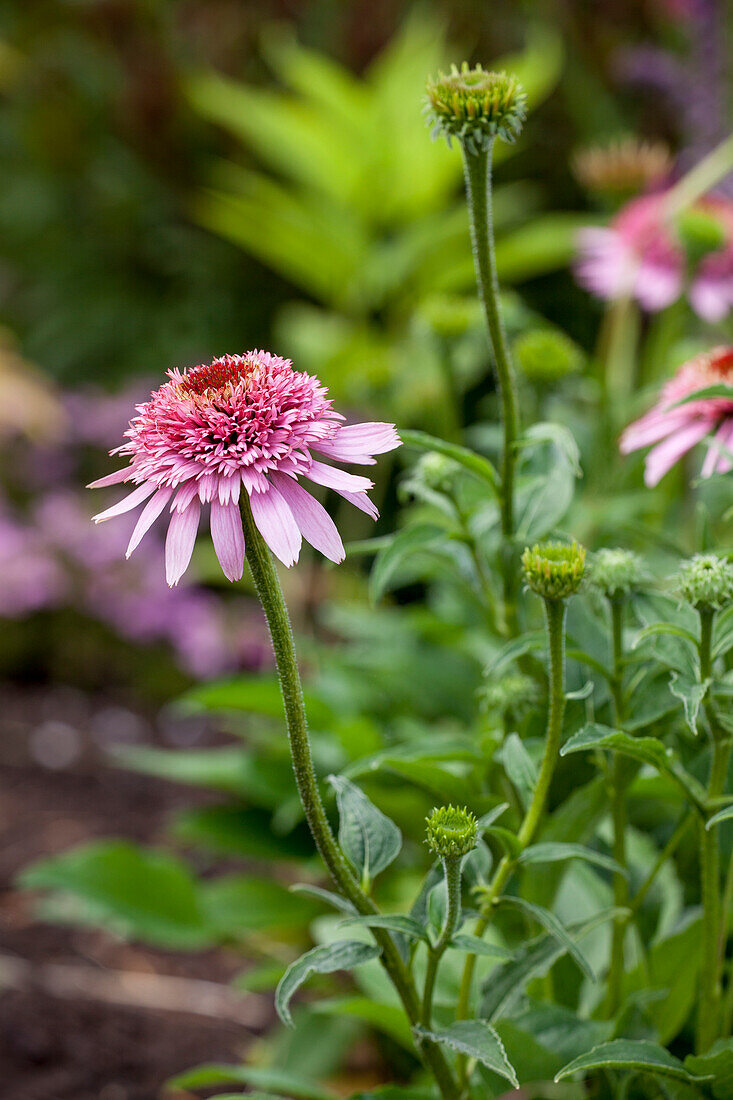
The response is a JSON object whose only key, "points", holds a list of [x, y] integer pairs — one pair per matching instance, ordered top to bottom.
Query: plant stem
{"points": [[700, 179], [478, 192], [268, 588], [555, 623], [617, 782], [452, 871], [708, 1018]]}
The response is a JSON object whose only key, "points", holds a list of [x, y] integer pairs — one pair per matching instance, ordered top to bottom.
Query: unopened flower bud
{"points": [[475, 106], [622, 167], [700, 232], [450, 315], [546, 355], [436, 471], [554, 570], [616, 572], [706, 582], [509, 695], [451, 832]]}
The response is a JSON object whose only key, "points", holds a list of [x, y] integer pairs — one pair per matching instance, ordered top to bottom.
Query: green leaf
{"points": [[720, 389], [561, 438], [476, 464], [406, 543], [657, 629], [509, 653], [691, 693], [253, 695], [647, 749], [518, 766], [232, 769], [722, 815], [491, 816], [234, 830], [368, 839], [508, 840], [549, 852], [141, 894], [343, 904], [235, 905], [550, 922], [407, 926], [476, 946], [340, 955], [387, 1018], [478, 1040], [639, 1055], [718, 1062], [282, 1084]]}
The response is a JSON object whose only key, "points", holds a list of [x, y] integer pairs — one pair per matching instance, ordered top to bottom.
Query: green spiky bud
{"points": [[475, 106], [450, 315], [546, 355], [436, 471], [554, 570], [616, 572], [706, 582], [512, 694], [451, 832]]}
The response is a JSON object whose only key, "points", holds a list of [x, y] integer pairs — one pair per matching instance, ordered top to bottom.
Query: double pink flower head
{"points": [[640, 256], [244, 422], [672, 429]]}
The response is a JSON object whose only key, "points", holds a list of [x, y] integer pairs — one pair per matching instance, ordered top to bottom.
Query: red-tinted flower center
{"points": [[722, 364], [230, 369]]}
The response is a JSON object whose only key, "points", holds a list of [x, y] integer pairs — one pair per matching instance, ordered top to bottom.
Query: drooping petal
{"points": [[657, 285], [712, 297], [651, 428], [359, 443], [663, 457], [333, 478], [110, 479], [185, 495], [361, 501], [128, 503], [148, 516], [311, 517], [276, 524], [228, 538], [180, 541]]}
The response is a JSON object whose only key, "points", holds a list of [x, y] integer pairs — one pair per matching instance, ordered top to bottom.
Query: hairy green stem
{"points": [[478, 191], [268, 588], [555, 623], [617, 781], [452, 871], [708, 1017]]}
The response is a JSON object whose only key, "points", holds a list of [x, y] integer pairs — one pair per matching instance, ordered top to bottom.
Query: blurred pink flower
{"points": [[639, 255], [244, 420], [674, 429], [32, 578]]}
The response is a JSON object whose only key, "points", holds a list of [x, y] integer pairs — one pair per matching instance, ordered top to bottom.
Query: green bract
{"points": [[476, 106], [554, 570], [616, 572], [706, 581], [451, 832]]}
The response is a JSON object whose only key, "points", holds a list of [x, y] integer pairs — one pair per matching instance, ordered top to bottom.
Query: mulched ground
{"points": [[62, 1037]]}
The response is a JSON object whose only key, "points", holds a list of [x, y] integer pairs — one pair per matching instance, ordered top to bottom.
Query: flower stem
{"points": [[478, 192], [268, 588], [555, 624], [617, 782], [452, 871], [708, 1017]]}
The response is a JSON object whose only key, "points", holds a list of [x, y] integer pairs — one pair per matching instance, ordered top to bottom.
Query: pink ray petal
{"points": [[651, 428], [725, 438], [359, 443], [663, 457], [333, 478], [110, 479], [184, 496], [137, 497], [361, 501], [148, 516], [311, 517], [277, 525], [228, 538], [180, 541]]}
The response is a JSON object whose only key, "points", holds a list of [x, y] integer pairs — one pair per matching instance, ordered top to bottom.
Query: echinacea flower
{"points": [[640, 255], [246, 421], [674, 429]]}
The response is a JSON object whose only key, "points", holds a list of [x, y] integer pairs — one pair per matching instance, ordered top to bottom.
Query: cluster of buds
{"points": [[475, 106], [546, 355], [554, 570], [616, 573], [706, 582], [452, 832]]}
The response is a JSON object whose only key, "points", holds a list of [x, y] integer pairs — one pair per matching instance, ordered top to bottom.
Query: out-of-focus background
{"points": [[187, 178]]}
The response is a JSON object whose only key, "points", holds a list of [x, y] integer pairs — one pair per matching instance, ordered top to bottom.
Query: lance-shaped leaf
{"points": [[476, 464], [410, 541], [691, 693], [722, 815], [368, 839], [554, 851], [327, 896], [550, 922], [406, 926], [473, 945], [340, 955], [476, 1039], [639, 1055], [717, 1061]]}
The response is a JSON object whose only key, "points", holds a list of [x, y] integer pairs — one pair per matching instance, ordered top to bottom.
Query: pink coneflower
{"points": [[639, 255], [243, 420], [676, 428]]}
